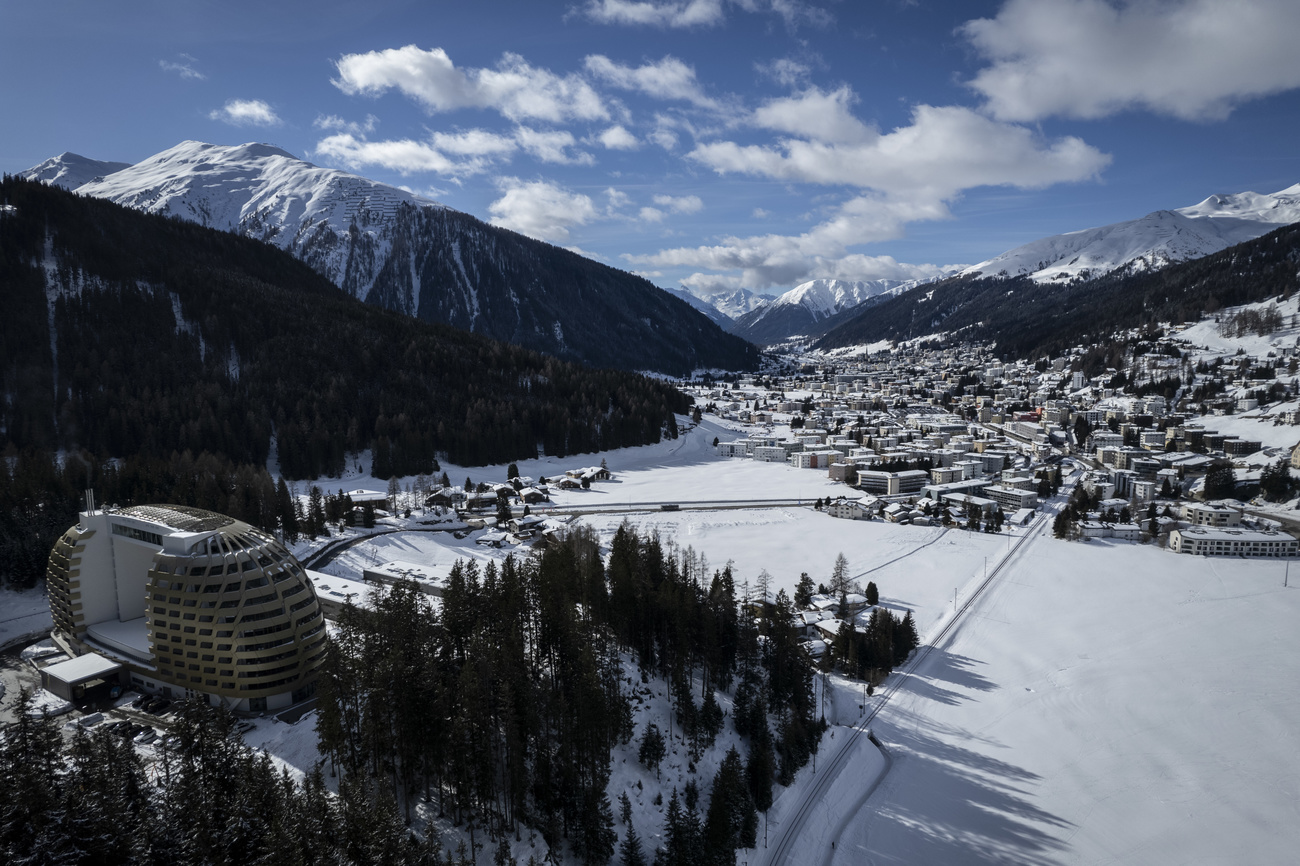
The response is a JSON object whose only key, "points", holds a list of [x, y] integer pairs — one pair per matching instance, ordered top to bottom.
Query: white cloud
{"points": [[793, 12], [673, 13], [697, 13], [1192, 59], [184, 68], [787, 72], [668, 79], [514, 88], [245, 112], [815, 114], [334, 123], [618, 138], [665, 138], [475, 142], [551, 146], [945, 150], [454, 154], [404, 156], [907, 175], [617, 198], [680, 204], [540, 209], [761, 213], [651, 215], [784, 260]]}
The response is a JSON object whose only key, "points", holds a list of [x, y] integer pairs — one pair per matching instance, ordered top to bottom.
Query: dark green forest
{"points": [[1028, 320], [172, 337], [183, 357], [503, 707], [496, 712]]}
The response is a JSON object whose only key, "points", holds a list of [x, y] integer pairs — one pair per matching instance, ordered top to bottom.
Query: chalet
{"points": [[590, 473], [533, 495], [362, 496], [445, 497], [525, 527]]}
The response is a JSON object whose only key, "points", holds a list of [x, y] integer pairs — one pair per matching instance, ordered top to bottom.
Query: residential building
{"points": [[1209, 541]]}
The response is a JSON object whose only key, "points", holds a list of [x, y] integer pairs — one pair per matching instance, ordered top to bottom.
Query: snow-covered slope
{"points": [[70, 170], [264, 192], [1155, 240], [410, 254], [824, 298], [741, 301], [800, 310], [719, 318]]}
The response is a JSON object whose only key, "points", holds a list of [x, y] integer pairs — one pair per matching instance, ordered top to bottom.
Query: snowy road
{"points": [[797, 840]]}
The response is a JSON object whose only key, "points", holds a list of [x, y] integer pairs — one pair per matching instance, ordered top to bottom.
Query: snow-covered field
{"points": [[683, 469], [915, 568], [23, 614], [1103, 704]]}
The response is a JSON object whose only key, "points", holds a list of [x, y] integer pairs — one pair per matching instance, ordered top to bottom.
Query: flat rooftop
{"points": [[130, 638]]}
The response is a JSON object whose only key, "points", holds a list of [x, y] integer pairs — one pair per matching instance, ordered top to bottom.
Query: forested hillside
{"points": [[1027, 319], [134, 334], [168, 361]]}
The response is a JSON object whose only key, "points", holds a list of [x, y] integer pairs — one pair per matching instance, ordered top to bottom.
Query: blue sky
{"points": [[711, 143]]}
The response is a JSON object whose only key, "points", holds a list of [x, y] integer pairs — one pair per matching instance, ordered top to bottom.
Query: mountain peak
{"points": [[71, 170], [1152, 241]]}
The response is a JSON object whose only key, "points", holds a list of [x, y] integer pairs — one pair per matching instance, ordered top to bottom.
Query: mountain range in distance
{"points": [[1155, 241], [408, 253]]}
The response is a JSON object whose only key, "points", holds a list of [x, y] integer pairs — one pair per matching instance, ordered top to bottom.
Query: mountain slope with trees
{"points": [[408, 253], [1028, 319], [129, 334]]}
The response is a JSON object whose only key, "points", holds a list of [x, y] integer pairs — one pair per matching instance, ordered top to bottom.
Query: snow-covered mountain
{"points": [[70, 170], [267, 193], [1149, 243], [404, 252], [741, 301], [801, 309], [719, 318]]}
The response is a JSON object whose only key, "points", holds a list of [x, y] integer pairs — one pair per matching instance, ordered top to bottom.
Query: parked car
{"points": [[140, 701], [157, 706], [90, 720], [148, 735]]}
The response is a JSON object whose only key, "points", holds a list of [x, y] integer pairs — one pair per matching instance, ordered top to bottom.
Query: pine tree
{"points": [[315, 512], [288, 515], [840, 575], [803, 592], [872, 593], [652, 748], [731, 816], [629, 850]]}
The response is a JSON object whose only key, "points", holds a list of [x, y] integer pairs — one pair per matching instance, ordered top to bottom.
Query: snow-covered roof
{"points": [[82, 668]]}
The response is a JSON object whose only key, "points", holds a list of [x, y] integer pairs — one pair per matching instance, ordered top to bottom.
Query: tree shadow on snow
{"points": [[957, 669], [949, 804]]}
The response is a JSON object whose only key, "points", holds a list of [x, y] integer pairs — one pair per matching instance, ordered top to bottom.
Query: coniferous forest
{"points": [[165, 336], [168, 362], [503, 706], [497, 711]]}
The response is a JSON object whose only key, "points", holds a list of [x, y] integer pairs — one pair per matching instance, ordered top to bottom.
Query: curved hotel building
{"points": [[189, 602]]}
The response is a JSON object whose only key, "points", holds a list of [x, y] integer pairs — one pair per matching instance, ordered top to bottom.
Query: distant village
{"points": [[954, 436]]}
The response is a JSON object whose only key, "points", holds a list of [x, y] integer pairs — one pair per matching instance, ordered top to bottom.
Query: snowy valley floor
{"points": [[1101, 704]]}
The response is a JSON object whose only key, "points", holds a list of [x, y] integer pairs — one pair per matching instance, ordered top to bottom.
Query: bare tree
{"points": [[840, 575]]}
